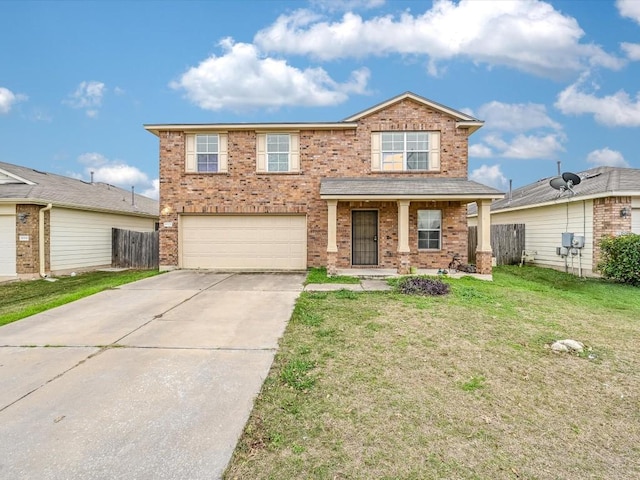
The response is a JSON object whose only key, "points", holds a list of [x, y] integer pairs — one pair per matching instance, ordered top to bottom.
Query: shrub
{"points": [[620, 258], [422, 286]]}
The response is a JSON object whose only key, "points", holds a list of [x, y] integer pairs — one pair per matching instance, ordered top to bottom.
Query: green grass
{"points": [[319, 275], [21, 299], [392, 386]]}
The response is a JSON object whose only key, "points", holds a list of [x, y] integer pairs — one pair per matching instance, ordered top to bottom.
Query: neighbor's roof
{"points": [[462, 120], [595, 183], [26, 185], [405, 188]]}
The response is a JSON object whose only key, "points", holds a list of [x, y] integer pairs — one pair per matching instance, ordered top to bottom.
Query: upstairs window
{"points": [[405, 151], [278, 152], [207, 153], [429, 229]]}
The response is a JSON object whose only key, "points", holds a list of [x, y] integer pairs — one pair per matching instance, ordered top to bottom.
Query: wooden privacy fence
{"points": [[507, 243], [131, 249]]}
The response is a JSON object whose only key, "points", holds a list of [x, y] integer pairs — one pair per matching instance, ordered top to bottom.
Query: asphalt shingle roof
{"points": [[598, 181], [404, 187], [70, 192]]}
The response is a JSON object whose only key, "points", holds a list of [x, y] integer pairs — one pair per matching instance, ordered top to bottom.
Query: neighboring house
{"points": [[385, 188], [606, 202], [55, 224]]}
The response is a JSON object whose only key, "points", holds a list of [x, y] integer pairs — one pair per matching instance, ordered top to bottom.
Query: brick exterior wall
{"points": [[323, 153], [607, 221], [28, 251]]}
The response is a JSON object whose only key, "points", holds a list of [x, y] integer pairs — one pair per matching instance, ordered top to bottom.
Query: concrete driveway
{"points": [[153, 380]]}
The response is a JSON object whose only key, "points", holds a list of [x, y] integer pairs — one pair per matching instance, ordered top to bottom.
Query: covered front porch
{"points": [[404, 224]]}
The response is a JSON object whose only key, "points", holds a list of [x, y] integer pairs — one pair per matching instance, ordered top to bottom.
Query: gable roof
{"points": [[462, 119], [595, 183], [26, 185]]}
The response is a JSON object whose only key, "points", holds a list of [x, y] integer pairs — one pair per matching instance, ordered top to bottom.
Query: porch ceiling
{"points": [[444, 189]]}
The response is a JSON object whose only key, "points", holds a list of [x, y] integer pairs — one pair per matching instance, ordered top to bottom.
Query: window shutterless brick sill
{"points": [[402, 172], [206, 173], [278, 173]]}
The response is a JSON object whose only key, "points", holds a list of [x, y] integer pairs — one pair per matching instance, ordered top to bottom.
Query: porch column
{"points": [[332, 244], [483, 251], [404, 262]]}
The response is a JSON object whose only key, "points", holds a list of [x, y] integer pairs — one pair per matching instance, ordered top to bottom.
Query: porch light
{"points": [[624, 212]]}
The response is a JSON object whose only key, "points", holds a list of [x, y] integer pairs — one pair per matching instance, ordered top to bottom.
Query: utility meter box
{"points": [[567, 240], [578, 241]]}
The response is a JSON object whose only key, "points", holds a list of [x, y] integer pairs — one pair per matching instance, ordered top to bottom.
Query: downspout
{"points": [[41, 242]]}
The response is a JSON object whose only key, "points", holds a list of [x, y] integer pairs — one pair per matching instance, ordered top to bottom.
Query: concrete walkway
{"points": [[153, 380]]}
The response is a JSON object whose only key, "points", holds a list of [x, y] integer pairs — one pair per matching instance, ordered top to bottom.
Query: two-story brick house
{"points": [[385, 188]]}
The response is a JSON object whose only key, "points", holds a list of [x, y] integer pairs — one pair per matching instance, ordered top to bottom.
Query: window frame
{"points": [[401, 147], [380, 149], [207, 152], [278, 152], [262, 155], [191, 158], [439, 229]]}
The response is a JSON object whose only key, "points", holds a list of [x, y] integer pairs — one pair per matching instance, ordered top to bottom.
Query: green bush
{"points": [[621, 258]]}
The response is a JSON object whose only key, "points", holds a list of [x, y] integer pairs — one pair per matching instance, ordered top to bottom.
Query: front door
{"points": [[364, 237]]}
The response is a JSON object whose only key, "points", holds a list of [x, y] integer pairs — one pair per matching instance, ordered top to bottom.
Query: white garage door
{"points": [[635, 220], [244, 242], [7, 245]]}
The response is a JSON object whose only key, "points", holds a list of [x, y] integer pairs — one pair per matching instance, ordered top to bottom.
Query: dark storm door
{"points": [[364, 237]]}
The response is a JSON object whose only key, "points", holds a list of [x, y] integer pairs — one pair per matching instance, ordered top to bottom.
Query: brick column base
{"points": [[483, 262], [332, 263], [404, 263]]}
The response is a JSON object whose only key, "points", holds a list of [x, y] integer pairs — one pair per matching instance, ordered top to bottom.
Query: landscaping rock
{"points": [[567, 345], [559, 347]]}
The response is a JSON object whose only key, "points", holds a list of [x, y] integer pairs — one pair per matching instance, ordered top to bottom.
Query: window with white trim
{"points": [[278, 149], [207, 150], [405, 151], [278, 152], [429, 229]]}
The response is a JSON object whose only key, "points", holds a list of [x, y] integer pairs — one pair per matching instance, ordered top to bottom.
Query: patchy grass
{"points": [[319, 275], [24, 298], [391, 386]]}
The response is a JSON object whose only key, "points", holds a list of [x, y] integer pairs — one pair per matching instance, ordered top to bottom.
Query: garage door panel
{"points": [[244, 242], [7, 245]]}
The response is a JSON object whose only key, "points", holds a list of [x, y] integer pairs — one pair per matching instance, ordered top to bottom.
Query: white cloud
{"points": [[346, 5], [630, 9], [526, 35], [632, 50], [242, 79], [88, 96], [8, 99], [617, 110], [516, 117], [527, 146], [480, 150], [607, 158], [116, 172], [489, 175], [154, 190]]}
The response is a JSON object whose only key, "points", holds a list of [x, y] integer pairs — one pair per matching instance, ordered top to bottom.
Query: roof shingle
{"points": [[70, 192]]}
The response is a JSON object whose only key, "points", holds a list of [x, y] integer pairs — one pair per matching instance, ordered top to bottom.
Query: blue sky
{"points": [[553, 80]]}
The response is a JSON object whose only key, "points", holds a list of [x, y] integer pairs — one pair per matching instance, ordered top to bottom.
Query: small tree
{"points": [[621, 258]]}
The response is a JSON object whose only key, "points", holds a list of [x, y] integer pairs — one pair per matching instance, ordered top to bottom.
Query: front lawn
{"points": [[21, 299], [388, 386]]}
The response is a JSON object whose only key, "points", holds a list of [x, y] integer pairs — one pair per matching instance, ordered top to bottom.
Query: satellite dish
{"points": [[571, 178], [558, 183]]}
